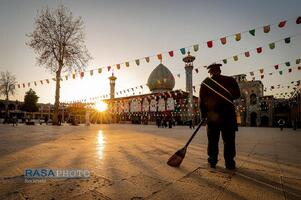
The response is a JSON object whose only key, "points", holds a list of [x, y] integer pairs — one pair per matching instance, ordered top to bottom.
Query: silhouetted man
{"points": [[217, 93]]}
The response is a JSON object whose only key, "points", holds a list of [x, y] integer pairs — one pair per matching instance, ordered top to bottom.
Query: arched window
{"points": [[253, 99]]}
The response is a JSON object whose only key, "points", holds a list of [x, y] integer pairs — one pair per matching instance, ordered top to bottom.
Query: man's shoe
{"points": [[213, 166], [231, 167]]}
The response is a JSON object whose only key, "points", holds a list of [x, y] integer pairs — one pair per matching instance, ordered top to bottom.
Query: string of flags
{"points": [[223, 40]]}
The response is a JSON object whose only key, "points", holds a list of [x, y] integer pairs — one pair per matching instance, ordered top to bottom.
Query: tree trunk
{"points": [[57, 97], [6, 109]]}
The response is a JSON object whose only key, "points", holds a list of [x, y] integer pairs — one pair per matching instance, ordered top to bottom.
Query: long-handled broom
{"points": [[176, 159]]}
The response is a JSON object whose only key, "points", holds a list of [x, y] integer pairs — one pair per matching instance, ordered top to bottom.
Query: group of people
{"points": [[164, 123]]}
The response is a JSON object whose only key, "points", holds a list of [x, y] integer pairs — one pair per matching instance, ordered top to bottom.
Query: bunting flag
{"points": [[298, 21], [281, 24], [266, 29], [252, 32], [237, 36], [223, 40], [287, 40], [210, 44], [272, 45], [196, 47], [259, 49], [183, 51], [170, 53], [247, 54], [159, 56], [235, 58], [147, 59], [137, 61], [225, 61], [298, 61], [127, 64], [287, 64], [118, 66], [276, 67], [299, 67], [109, 68], [99, 70], [196, 70], [289, 70], [261, 71], [281, 72], [91, 73], [252, 73], [82, 74], [178, 75], [262, 76], [66, 77], [54, 79], [47, 81], [41, 82], [28, 84], [18, 85], [23, 85], [141, 86]]}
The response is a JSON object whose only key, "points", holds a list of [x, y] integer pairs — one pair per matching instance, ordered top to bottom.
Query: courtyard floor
{"points": [[129, 162]]}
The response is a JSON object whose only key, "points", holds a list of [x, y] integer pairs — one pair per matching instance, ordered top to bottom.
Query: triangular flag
{"points": [[298, 21], [281, 24], [266, 29], [252, 32], [237, 36], [223, 40], [287, 40], [210, 44], [272, 45], [196, 47], [259, 49], [183, 51], [170, 53], [247, 54], [159, 56], [235, 58], [147, 59], [137, 61], [225, 61], [298, 61], [127, 64], [287, 64], [118, 66], [276, 67], [299, 67], [109, 68], [99, 70], [196, 70], [290, 70], [261, 71], [91, 72], [281, 72], [252, 73], [270, 73], [82, 74], [178, 75], [262, 76], [66, 77], [47, 81], [41, 82], [35, 83], [28, 84], [18, 85], [23, 85]]}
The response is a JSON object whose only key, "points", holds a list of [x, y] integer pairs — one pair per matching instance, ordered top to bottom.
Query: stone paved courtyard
{"points": [[129, 162]]}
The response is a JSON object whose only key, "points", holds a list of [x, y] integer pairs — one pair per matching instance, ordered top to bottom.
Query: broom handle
{"points": [[195, 132]]}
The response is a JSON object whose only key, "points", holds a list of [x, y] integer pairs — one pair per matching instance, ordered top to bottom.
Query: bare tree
{"points": [[58, 39], [7, 88]]}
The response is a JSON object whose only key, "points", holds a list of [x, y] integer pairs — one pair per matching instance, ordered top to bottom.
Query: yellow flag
{"points": [[237, 36]]}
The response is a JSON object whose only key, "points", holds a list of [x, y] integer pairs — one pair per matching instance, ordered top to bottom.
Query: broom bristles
{"points": [[175, 160]]}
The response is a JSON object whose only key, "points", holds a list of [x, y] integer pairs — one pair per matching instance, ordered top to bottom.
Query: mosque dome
{"points": [[160, 79]]}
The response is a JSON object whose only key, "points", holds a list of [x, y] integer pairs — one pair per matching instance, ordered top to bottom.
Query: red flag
{"points": [[281, 24], [223, 40], [210, 44], [259, 49], [170, 53], [247, 54], [276, 66], [109, 68], [82, 74]]}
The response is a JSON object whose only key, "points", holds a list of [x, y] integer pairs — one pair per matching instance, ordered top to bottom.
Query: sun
{"points": [[101, 106]]}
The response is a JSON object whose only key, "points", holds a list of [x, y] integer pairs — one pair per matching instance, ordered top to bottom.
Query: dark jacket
{"points": [[218, 111]]}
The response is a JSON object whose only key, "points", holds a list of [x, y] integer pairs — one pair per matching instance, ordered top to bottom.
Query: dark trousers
{"points": [[213, 134]]}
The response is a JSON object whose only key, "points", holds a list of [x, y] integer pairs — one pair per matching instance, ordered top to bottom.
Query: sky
{"points": [[120, 30]]}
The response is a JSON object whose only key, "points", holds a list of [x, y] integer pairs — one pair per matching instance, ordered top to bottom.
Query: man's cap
{"points": [[214, 65]]}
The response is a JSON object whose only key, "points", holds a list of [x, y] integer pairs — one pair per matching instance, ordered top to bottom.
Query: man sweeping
{"points": [[217, 93]]}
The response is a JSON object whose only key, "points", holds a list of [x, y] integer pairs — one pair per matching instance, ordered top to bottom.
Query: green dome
{"points": [[161, 79]]}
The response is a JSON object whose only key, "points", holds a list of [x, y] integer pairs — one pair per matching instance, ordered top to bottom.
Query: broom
{"points": [[176, 159]]}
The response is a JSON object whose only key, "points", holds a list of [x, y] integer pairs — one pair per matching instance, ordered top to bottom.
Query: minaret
{"points": [[188, 69], [112, 86]]}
